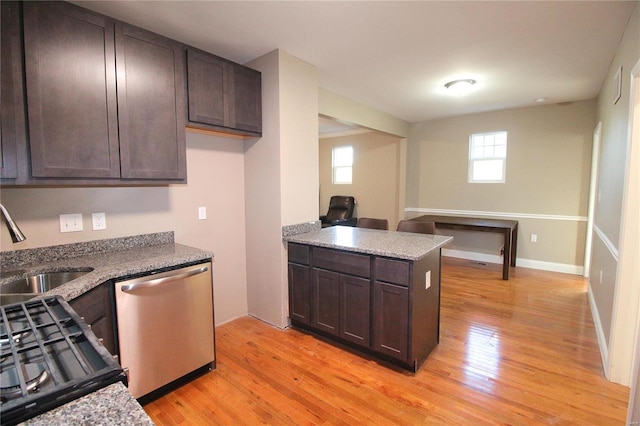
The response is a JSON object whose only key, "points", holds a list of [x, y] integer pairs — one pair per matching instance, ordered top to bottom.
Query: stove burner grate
{"points": [[48, 356]]}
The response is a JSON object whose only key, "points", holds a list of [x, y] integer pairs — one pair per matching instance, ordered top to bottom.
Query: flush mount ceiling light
{"points": [[460, 87]]}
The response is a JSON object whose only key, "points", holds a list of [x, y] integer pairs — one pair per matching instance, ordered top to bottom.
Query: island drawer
{"points": [[298, 253], [340, 261], [392, 271]]}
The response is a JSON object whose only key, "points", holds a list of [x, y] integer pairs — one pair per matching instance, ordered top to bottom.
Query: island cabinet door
{"points": [[299, 293], [325, 299], [355, 310], [391, 320]]}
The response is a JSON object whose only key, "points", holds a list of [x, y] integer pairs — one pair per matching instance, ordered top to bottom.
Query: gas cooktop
{"points": [[48, 357]]}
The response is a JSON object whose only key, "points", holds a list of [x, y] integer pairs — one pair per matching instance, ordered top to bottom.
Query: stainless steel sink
{"points": [[40, 283]]}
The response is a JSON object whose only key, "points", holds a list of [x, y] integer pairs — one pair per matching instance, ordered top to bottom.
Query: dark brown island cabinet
{"points": [[384, 306]]}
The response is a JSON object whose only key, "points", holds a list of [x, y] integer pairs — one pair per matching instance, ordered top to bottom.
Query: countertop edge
{"points": [[319, 239], [111, 405]]}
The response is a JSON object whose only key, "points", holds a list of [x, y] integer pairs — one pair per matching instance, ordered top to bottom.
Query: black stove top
{"points": [[48, 357]]}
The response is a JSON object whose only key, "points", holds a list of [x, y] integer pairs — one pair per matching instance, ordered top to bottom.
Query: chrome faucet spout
{"points": [[16, 234]]}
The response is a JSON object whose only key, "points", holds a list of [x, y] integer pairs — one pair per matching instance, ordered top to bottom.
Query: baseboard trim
{"points": [[508, 215], [525, 263], [602, 342]]}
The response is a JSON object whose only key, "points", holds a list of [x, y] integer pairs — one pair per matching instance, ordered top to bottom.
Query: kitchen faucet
{"points": [[16, 234]]}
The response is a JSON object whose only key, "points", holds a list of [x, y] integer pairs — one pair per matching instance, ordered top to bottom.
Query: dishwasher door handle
{"points": [[144, 283]]}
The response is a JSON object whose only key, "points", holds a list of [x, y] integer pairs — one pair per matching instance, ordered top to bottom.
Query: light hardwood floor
{"points": [[515, 352]]}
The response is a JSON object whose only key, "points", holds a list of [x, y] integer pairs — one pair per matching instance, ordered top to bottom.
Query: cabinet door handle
{"points": [[143, 283]]}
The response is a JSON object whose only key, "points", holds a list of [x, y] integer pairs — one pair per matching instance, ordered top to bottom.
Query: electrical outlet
{"points": [[202, 213], [99, 221], [71, 222], [534, 238], [427, 280]]}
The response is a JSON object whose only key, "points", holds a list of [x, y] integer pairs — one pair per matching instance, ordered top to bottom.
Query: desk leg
{"points": [[506, 254]]}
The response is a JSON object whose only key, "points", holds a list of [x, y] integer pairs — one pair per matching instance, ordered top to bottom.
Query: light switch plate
{"points": [[202, 213], [71, 222]]}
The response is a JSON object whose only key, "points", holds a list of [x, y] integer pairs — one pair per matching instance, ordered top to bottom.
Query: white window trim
{"points": [[473, 160], [334, 168]]}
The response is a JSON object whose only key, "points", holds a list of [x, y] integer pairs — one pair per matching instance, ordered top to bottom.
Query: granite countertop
{"points": [[399, 245], [108, 259], [108, 406]]}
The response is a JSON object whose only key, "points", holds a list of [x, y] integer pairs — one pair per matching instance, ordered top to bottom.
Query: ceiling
{"points": [[396, 56]]}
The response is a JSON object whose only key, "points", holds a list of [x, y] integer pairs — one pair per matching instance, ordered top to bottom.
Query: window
{"points": [[487, 157], [342, 164]]}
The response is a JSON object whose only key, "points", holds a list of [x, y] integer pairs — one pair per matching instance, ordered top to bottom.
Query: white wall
{"points": [[344, 109], [215, 168], [377, 175], [281, 178], [614, 298]]}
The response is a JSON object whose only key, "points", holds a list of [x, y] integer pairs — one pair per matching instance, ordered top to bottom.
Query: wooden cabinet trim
{"points": [[340, 261]]}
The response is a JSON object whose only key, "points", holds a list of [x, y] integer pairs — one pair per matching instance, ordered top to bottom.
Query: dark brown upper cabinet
{"points": [[71, 92], [223, 95], [105, 101], [151, 104], [12, 123]]}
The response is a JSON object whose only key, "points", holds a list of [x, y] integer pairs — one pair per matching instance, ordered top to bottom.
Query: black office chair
{"points": [[340, 212], [371, 223], [416, 226]]}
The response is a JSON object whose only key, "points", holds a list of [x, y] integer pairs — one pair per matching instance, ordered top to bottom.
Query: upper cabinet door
{"points": [[206, 75], [71, 93], [223, 94], [151, 104], [246, 113], [12, 130]]}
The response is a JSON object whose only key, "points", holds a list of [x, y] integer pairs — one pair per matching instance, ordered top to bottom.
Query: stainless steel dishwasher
{"points": [[165, 326]]}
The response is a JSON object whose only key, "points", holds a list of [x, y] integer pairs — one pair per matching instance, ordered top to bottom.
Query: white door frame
{"points": [[595, 157], [628, 267]]}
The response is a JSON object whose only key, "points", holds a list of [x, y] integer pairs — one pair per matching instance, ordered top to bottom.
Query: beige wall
{"points": [[333, 105], [376, 175], [281, 178], [547, 179], [215, 181], [614, 299]]}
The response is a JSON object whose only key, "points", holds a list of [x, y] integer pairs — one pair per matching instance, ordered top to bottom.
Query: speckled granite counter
{"points": [[400, 245], [108, 259], [108, 406]]}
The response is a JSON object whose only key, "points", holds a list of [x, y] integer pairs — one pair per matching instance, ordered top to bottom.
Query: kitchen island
{"points": [[377, 292]]}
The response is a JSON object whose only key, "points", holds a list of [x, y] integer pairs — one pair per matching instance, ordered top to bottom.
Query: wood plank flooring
{"points": [[517, 352]]}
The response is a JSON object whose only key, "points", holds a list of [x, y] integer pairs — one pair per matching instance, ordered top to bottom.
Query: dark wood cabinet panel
{"points": [[206, 88], [71, 94], [223, 95], [151, 104], [246, 112], [12, 124], [349, 263], [392, 271], [299, 293], [325, 299], [386, 307], [98, 310], [355, 310], [391, 316]]}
